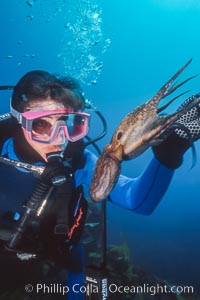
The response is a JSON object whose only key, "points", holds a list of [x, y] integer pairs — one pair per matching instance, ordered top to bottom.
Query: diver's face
{"points": [[44, 105]]}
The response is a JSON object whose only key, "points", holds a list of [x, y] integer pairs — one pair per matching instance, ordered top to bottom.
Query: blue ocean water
{"points": [[126, 51]]}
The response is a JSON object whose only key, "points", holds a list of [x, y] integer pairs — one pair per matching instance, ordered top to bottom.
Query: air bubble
{"points": [[30, 2], [30, 17], [9, 56]]}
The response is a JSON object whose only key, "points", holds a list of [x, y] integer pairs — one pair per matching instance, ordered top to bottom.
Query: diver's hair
{"points": [[41, 84]]}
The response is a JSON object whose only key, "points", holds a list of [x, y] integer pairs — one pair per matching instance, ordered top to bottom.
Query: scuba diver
{"points": [[43, 210]]}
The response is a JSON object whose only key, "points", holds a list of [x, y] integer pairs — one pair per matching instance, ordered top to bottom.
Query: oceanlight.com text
{"points": [[150, 289]]}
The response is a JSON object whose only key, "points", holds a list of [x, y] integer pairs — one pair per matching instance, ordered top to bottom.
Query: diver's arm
{"points": [[153, 183], [141, 194]]}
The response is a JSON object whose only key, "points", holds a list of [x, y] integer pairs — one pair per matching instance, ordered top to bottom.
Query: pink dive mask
{"points": [[53, 126]]}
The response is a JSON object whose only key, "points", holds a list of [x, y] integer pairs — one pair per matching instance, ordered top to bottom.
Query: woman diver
{"points": [[46, 129]]}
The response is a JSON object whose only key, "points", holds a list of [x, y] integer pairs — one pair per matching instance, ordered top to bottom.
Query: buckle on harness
{"points": [[61, 229]]}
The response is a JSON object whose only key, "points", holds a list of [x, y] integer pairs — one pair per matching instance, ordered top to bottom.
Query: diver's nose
{"points": [[60, 138]]}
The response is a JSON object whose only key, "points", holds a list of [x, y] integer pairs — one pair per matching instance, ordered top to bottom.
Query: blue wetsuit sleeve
{"points": [[141, 194]]}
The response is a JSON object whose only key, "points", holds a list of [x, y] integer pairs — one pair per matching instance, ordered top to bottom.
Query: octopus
{"points": [[141, 128]]}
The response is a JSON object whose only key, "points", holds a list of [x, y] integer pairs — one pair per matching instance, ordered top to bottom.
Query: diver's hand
{"points": [[190, 121], [181, 136]]}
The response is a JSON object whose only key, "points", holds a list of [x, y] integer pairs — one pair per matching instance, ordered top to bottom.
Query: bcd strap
{"points": [[64, 196], [78, 216], [54, 246]]}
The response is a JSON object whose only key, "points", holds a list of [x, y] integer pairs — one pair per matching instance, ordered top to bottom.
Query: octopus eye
{"points": [[119, 135]]}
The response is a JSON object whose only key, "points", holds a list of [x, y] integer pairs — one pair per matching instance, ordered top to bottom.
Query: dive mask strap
{"points": [[16, 114]]}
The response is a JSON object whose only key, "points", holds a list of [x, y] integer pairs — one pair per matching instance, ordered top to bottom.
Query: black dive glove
{"points": [[170, 151]]}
